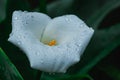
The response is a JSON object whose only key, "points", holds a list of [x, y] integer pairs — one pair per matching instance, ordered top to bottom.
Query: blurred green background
{"points": [[101, 59]]}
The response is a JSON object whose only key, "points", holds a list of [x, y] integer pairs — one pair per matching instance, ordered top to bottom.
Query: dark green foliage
{"points": [[2, 9], [93, 12], [7, 69]]}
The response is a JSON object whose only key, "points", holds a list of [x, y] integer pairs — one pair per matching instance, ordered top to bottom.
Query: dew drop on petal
{"points": [[25, 11], [32, 16], [16, 18], [67, 20], [26, 22], [82, 24], [85, 31], [26, 33], [11, 34], [19, 36], [24, 37], [19, 42], [77, 44], [68, 45], [30, 48], [37, 53], [41, 61]]}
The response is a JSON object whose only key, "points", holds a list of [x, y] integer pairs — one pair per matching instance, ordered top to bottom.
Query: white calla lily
{"points": [[51, 45]]}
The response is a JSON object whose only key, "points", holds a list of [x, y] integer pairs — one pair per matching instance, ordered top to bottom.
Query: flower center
{"points": [[52, 43]]}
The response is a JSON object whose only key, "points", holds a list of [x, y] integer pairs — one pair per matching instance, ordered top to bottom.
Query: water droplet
{"points": [[25, 11], [32, 16], [16, 18], [68, 20], [26, 22], [82, 24], [85, 31], [11, 34], [25, 34], [19, 36], [23, 37], [19, 42], [77, 44], [68, 45], [30, 48], [37, 53], [41, 61], [50, 73]]}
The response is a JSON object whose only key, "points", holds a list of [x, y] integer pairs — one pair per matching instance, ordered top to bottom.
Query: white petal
{"points": [[33, 21], [64, 29], [72, 35], [56, 58]]}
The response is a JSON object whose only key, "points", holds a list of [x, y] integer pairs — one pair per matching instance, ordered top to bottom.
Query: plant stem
{"points": [[38, 75]]}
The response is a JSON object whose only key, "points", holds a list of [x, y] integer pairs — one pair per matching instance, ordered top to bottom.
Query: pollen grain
{"points": [[52, 43]]}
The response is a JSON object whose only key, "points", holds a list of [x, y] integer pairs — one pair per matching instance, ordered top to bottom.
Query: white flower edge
{"points": [[28, 28]]}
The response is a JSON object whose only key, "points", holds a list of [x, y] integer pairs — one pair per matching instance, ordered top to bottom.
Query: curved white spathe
{"points": [[30, 30]]}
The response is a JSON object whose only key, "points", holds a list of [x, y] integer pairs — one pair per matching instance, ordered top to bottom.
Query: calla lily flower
{"points": [[51, 45]]}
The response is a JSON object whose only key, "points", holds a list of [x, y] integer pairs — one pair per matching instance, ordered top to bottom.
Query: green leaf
{"points": [[42, 6], [59, 7], [82, 8], [2, 9], [91, 11], [99, 14], [100, 56], [20, 60], [7, 70], [112, 71], [52, 76]]}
